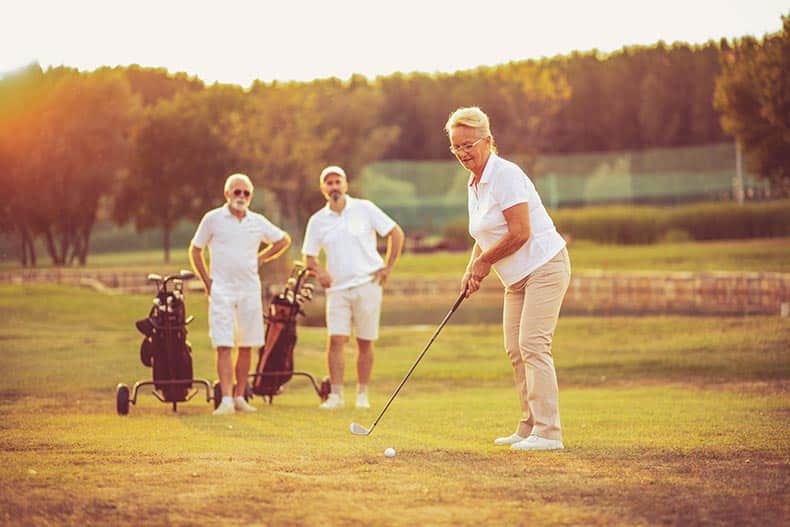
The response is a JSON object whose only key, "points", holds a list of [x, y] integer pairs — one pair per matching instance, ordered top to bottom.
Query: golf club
{"points": [[360, 430]]}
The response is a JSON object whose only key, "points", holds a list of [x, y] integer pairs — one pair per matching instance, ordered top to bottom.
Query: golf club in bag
{"points": [[165, 347], [276, 357], [360, 430]]}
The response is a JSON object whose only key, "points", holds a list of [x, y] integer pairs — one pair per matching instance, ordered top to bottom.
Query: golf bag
{"points": [[165, 347], [275, 358]]}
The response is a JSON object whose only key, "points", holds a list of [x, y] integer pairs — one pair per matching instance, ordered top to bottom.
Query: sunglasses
{"points": [[239, 192]]}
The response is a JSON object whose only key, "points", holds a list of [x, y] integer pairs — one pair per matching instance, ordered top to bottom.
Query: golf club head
{"points": [[359, 430]]}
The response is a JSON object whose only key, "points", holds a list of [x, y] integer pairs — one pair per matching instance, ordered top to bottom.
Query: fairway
{"points": [[753, 255], [667, 421]]}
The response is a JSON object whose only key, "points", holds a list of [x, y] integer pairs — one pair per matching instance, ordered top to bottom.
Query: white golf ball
{"points": [[390, 452]]}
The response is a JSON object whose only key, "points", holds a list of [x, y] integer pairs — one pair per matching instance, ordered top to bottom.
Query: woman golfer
{"points": [[514, 234]]}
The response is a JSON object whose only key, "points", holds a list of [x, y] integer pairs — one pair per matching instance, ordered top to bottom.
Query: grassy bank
{"points": [[697, 221], [765, 254], [733, 255]]}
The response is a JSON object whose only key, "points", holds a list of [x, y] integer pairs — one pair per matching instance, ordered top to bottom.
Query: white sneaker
{"points": [[362, 400], [333, 402], [242, 406], [224, 409], [509, 440], [534, 442]]}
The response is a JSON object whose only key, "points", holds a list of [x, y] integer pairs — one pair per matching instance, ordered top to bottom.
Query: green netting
{"points": [[427, 194]]}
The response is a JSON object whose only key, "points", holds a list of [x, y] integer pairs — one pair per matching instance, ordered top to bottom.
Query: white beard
{"points": [[239, 205]]}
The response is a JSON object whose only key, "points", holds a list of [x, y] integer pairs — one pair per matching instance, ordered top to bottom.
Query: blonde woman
{"points": [[515, 236]]}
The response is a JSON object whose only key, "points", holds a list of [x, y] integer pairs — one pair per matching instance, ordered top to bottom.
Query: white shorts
{"points": [[360, 306], [235, 314]]}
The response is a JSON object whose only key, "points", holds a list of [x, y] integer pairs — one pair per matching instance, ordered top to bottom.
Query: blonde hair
{"points": [[471, 117], [237, 177]]}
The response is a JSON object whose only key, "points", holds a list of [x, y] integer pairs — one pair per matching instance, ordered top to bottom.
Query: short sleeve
{"points": [[511, 187], [381, 222], [270, 233], [203, 234], [311, 245]]}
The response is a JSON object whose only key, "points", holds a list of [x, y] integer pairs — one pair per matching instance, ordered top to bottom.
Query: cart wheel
{"points": [[147, 352], [326, 387], [217, 394], [122, 399]]}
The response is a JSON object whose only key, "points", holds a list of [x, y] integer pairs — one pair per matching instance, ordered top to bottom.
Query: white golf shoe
{"points": [[362, 400], [333, 402], [243, 406], [224, 409], [509, 440], [534, 442]]}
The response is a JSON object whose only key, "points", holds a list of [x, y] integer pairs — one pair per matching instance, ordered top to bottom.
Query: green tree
{"points": [[153, 84], [18, 95], [753, 95], [519, 98], [705, 127], [86, 129], [291, 131], [67, 145], [179, 161]]}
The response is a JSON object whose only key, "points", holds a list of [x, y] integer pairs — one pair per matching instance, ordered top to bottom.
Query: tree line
{"points": [[148, 146]]}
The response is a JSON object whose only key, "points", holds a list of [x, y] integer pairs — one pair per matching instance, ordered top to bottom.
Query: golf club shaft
{"points": [[419, 358]]}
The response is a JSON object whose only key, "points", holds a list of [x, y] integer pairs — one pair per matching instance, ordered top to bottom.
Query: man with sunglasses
{"points": [[345, 229], [234, 233]]}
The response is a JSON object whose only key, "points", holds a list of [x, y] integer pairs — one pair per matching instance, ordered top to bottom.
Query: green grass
{"points": [[765, 254], [760, 255], [667, 421]]}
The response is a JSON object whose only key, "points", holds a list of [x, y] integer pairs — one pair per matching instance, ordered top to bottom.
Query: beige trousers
{"points": [[532, 306]]}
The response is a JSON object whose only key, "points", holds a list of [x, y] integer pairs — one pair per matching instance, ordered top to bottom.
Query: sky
{"points": [[237, 42]]}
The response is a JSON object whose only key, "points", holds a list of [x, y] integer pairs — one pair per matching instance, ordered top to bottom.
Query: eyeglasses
{"points": [[464, 148], [239, 192]]}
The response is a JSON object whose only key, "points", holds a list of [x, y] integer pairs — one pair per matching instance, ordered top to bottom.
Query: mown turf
{"points": [[755, 255], [758, 255], [667, 421]]}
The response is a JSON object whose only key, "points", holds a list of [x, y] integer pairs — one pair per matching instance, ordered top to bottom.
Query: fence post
{"points": [[738, 181]]}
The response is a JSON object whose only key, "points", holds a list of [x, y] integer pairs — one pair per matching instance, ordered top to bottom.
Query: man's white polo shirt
{"points": [[502, 185], [349, 241], [234, 246]]}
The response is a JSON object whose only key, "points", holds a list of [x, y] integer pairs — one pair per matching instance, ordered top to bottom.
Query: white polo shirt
{"points": [[503, 185], [349, 241], [234, 246]]}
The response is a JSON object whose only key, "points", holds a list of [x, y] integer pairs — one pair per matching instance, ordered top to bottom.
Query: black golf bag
{"points": [[165, 347], [276, 357]]}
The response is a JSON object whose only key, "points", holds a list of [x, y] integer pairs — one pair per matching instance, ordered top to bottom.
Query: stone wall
{"points": [[590, 292], [652, 292], [708, 293]]}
